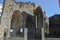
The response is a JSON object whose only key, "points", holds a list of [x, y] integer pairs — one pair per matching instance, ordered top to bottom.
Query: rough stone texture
{"points": [[20, 12], [46, 25], [25, 34]]}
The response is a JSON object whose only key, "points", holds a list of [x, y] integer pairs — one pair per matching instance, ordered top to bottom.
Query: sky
{"points": [[51, 7]]}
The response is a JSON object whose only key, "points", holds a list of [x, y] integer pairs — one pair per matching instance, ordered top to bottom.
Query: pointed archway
{"points": [[39, 18], [16, 23]]}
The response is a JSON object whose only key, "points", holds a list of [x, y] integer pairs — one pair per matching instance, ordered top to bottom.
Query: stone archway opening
{"points": [[29, 21], [39, 22], [16, 24], [31, 27]]}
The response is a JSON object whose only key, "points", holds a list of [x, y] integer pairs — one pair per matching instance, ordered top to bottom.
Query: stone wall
{"points": [[9, 7], [25, 9], [14, 38], [52, 38]]}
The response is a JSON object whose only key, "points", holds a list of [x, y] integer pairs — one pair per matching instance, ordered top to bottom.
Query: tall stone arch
{"points": [[8, 13], [39, 13], [16, 23]]}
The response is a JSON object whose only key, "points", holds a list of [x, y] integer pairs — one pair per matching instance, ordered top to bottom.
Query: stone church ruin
{"points": [[22, 20]]}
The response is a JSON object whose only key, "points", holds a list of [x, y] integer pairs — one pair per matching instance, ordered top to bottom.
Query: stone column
{"points": [[36, 21], [8, 29], [43, 32], [1, 33], [8, 33], [25, 33], [43, 36]]}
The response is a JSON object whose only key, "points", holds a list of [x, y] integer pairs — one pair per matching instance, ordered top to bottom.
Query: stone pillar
{"points": [[36, 21], [8, 29], [43, 32], [1, 33], [8, 33], [25, 33], [43, 36]]}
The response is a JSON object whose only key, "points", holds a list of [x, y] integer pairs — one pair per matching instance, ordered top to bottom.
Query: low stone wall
{"points": [[14, 38], [21, 38], [52, 38]]}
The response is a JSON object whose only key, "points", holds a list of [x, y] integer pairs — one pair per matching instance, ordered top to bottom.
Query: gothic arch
{"points": [[40, 15], [17, 17], [16, 22]]}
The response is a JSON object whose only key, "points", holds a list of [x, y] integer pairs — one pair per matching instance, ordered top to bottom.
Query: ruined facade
{"points": [[17, 15]]}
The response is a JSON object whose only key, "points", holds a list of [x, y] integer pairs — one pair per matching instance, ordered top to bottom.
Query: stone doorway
{"points": [[16, 24], [31, 27]]}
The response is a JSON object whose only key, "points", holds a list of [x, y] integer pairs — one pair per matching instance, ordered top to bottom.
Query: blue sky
{"points": [[51, 7]]}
